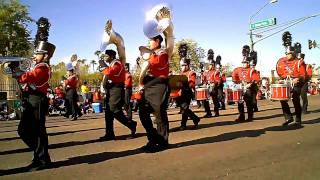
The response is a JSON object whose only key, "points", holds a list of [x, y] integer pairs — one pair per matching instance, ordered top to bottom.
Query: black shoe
{"points": [[223, 108], [255, 110], [80, 114], [216, 114], [66, 116], [207, 116], [74, 118], [250, 118], [240, 119], [287, 122], [196, 123], [296, 123], [182, 128], [134, 129], [107, 138], [163, 146], [150, 148], [33, 164], [39, 166]]}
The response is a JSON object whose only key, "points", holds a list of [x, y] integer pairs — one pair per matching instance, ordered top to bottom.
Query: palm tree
{"points": [[97, 53], [83, 61], [93, 62]]}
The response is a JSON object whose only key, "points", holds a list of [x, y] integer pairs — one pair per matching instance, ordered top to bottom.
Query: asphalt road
{"points": [[218, 149]]}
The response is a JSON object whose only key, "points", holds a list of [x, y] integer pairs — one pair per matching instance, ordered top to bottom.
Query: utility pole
{"points": [[251, 18]]}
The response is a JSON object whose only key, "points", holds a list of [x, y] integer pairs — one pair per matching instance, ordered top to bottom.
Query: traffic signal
{"points": [[286, 38], [310, 44], [314, 44], [297, 47]]}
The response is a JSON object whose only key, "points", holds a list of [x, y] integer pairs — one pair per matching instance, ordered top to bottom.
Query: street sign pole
{"points": [[260, 24]]}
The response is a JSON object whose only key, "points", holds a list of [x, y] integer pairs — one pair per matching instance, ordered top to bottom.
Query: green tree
{"points": [[14, 35], [97, 53], [195, 53], [82, 61], [227, 69], [58, 71], [136, 73]]}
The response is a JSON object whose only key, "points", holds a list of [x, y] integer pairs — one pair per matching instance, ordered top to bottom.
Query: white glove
{"points": [[141, 88]]}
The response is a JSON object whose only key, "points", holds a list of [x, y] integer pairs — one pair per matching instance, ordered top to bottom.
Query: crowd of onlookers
{"points": [[86, 96]]}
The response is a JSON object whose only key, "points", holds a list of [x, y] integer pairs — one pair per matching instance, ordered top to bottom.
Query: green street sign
{"points": [[264, 23]]}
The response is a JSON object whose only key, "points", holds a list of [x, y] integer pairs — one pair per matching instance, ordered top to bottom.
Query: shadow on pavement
{"points": [[57, 120], [73, 123], [55, 133], [123, 137], [69, 144], [104, 156]]}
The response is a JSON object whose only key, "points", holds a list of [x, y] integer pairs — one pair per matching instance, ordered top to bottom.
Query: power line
{"points": [[295, 22]]}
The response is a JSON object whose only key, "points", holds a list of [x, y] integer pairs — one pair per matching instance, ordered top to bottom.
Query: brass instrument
{"points": [[158, 20], [111, 37], [10, 65]]}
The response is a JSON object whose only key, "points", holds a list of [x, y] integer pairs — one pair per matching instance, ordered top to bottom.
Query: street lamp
{"points": [[255, 14]]}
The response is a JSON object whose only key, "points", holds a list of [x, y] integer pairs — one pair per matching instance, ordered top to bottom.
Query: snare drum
{"points": [[280, 92], [202, 94], [234, 95]]}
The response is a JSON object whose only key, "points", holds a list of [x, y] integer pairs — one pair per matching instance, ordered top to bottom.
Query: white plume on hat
{"points": [[70, 67]]}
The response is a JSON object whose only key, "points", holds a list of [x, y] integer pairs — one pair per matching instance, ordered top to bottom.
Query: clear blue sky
{"points": [[222, 25]]}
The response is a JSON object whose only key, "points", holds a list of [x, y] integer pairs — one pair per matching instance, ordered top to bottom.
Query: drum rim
{"points": [[279, 85], [202, 88], [239, 89], [280, 99]]}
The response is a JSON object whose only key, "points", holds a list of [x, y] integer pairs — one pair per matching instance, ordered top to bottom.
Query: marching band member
{"points": [[253, 63], [290, 67], [246, 77], [220, 78], [153, 79], [201, 80], [113, 81], [205, 81], [213, 82], [71, 85], [187, 89], [304, 89], [128, 91], [155, 96], [32, 129]]}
